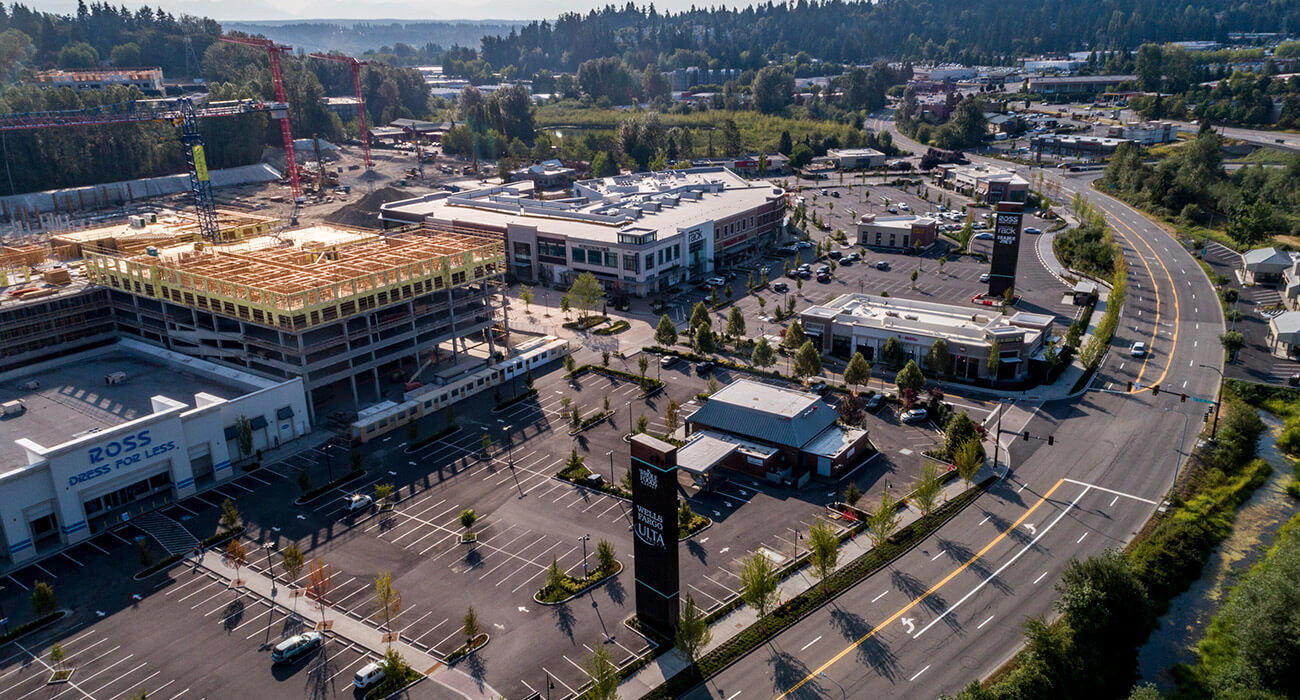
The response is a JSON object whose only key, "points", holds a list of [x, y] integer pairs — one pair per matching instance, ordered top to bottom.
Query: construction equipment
{"points": [[273, 51], [361, 102], [180, 112]]}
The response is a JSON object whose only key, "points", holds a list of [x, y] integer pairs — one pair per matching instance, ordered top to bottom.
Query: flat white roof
{"points": [[666, 202], [901, 222], [968, 325], [833, 441], [703, 452]]}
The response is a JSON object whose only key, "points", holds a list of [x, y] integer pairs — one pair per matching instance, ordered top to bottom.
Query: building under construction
{"points": [[359, 315]]}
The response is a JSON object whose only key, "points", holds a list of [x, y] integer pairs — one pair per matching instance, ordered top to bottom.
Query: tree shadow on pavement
{"points": [[696, 550], [961, 554], [912, 586], [617, 594], [233, 613], [563, 619], [872, 651], [477, 669], [787, 671], [320, 674]]}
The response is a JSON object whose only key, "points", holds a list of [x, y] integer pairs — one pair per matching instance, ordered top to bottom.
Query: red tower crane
{"points": [[273, 51], [361, 102]]}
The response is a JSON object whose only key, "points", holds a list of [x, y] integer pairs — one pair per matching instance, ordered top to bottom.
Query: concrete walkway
{"points": [[733, 623], [354, 631]]}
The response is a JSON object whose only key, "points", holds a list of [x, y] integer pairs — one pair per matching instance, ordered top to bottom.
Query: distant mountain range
{"points": [[353, 37]]}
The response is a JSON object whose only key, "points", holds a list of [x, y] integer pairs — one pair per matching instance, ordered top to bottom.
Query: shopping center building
{"points": [[642, 233], [96, 438]]}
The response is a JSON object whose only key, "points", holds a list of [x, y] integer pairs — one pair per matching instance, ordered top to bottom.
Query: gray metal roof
{"points": [[1266, 258], [1287, 327], [767, 413], [703, 453]]}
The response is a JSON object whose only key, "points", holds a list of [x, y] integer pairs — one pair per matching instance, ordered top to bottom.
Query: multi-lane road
{"points": [[950, 610]]}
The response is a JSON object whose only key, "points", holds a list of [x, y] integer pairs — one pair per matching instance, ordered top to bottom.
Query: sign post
{"points": [[1007, 219], [654, 525]]}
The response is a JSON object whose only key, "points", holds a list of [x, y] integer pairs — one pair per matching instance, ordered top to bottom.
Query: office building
{"points": [[985, 183], [898, 232]]}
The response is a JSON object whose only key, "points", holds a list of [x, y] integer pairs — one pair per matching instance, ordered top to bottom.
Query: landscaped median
{"points": [[616, 327], [561, 587], [801, 605], [468, 648]]}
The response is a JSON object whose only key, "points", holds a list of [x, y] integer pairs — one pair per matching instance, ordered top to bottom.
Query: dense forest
{"points": [[981, 31], [357, 38], [185, 47]]}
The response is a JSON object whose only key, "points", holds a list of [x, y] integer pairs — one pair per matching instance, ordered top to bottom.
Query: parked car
{"points": [[835, 194], [904, 207], [893, 210], [802, 244], [790, 248], [835, 254], [847, 261], [882, 265], [824, 268], [764, 270], [792, 273], [806, 274], [731, 275], [823, 277], [984, 277], [716, 281], [704, 287], [781, 287], [1138, 350], [668, 360], [703, 367], [875, 402], [915, 415], [358, 502], [296, 646], [368, 675]]}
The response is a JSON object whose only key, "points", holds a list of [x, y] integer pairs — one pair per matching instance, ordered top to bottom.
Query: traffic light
{"points": [[1130, 387], [1155, 389], [1182, 398], [1025, 435], [1051, 439]]}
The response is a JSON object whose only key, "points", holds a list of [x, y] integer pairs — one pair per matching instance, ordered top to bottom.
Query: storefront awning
{"points": [[257, 422]]}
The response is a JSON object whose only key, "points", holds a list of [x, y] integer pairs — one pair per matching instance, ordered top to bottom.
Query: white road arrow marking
{"points": [[302, 517], [1030, 527], [724, 550], [522, 609], [100, 613], [909, 623], [498, 625]]}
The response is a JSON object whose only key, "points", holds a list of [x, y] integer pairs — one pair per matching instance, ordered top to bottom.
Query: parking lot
{"points": [[1256, 305]]}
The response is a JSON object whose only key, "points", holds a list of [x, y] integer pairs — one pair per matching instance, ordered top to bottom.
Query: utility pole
{"points": [[1214, 428], [584, 539]]}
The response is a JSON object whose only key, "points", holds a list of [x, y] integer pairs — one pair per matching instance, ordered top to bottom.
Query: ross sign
{"points": [[1006, 247], [128, 450], [654, 528]]}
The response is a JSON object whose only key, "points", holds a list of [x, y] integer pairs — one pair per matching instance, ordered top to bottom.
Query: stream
{"points": [[1174, 639]]}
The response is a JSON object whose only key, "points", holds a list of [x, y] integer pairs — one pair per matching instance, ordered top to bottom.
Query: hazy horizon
{"points": [[381, 11]]}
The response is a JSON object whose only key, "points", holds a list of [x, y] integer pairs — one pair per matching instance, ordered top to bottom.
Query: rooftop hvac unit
{"points": [[115, 377], [13, 408]]}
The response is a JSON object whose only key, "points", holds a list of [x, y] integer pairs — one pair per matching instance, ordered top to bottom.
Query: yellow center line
{"points": [[1177, 306], [1001, 536]]}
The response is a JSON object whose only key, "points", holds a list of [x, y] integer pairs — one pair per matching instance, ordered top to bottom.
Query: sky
{"points": [[251, 10]]}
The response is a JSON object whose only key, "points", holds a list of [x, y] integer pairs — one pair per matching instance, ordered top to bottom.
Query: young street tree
{"points": [[585, 292], [526, 296], [700, 316], [735, 324], [666, 332], [794, 336], [705, 342], [1232, 342], [892, 351], [763, 354], [995, 358], [938, 360], [807, 361], [642, 364], [858, 371], [910, 377], [671, 415], [959, 430], [968, 460], [927, 488], [229, 515], [882, 521], [823, 549], [236, 557], [605, 559], [291, 560], [759, 583], [387, 597], [43, 600], [471, 627], [693, 632], [603, 673]]}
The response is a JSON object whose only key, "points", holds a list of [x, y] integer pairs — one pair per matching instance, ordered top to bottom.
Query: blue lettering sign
{"points": [[130, 443], [131, 449]]}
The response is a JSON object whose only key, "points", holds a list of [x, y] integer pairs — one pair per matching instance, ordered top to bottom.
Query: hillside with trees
{"points": [[100, 35]]}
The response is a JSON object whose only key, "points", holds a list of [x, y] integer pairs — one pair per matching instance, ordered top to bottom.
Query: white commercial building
{"points": [[851, 158], [642, 233], [863, 323], [92, 440]]}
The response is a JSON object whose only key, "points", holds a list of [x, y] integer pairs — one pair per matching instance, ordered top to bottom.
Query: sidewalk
{"points": [[728, 626], [352, 630]]}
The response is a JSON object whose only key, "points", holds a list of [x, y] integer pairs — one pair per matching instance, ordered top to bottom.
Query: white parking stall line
{"points": [[92, 544], [507, 561], [51, 573], [725, 588], [716, 600], [338, 602], [429, 631], [136, 684], [567, 687], [178, 695]]}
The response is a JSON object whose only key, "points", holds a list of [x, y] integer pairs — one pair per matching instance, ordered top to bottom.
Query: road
{"points": [[1280, 140], [950, 610]]}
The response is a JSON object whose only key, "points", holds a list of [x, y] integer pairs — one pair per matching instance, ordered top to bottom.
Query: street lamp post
{"points": [[629, 419], [1214, 428], [997, 439], [510, 444], [610, 454], [584, 539], [269, 547], [822, 674]]}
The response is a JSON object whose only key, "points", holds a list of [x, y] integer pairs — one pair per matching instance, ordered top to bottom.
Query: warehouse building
{"points": [[1076, 84], [1076, 146], [641, 234], [852, 323], [770, 432], [97, 438]]}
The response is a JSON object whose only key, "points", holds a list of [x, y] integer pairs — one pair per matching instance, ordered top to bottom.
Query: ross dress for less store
{"points": [[73, 490]]}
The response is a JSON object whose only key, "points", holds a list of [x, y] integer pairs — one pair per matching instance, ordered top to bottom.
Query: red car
{"points": [[704, 287]]}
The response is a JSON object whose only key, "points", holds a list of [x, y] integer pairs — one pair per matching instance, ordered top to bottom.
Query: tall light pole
{"points": [[629, 419], [1214, 428], [997, 439], [510, 444], [610, 454], [584, 539], [269, 547], [822, 674]]}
